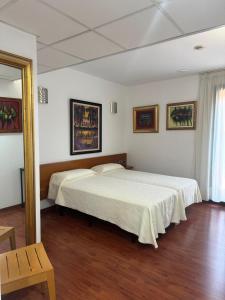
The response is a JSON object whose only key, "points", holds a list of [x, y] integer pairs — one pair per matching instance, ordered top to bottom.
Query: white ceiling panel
{"points": [[4, 2], [96, 12], [196, 15], [37, 18], [139, 29], [40, 45], [88, 46], [55, 59], [162, 61], [43, 69], [9, 73]]}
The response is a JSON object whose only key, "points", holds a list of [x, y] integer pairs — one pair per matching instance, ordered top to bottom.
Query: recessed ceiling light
{"points": [[198, 47], [183, 70]]}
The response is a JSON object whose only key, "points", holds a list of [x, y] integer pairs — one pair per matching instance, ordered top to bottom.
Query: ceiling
{"points": [[87, 34], [171, 59], [9, 73]]}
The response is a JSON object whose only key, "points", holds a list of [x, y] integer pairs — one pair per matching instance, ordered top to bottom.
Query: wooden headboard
{"points": [[46, 170]]}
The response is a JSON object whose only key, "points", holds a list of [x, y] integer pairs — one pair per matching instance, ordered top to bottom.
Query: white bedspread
{"points": [[187, 189], [143, 209]]}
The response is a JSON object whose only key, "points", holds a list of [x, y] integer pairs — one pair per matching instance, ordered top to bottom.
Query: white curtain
{"points": [[210, 84], [218, 148]]}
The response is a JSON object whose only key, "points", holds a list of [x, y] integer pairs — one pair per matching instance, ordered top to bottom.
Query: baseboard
{"points": [[213, 202], [44, 204], [10, 207]]}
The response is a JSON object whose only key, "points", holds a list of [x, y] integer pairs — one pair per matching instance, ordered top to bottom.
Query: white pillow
{"points": [[107, 167], [60, 177]]}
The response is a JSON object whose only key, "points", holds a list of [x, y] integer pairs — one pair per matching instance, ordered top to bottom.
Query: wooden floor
{"points": [[13, 217], [101, 262]]}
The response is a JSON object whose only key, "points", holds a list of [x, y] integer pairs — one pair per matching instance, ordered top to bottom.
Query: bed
{"points": [[187, 189], [138, 202], [142, 209]]}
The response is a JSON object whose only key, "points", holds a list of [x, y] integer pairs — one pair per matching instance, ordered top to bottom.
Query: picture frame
{"points": [[10, 115], [181, 115], [146, 119], [85, 127]]}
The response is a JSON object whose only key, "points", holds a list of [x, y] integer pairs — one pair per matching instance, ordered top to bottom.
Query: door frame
{"points": [[25, 65]]}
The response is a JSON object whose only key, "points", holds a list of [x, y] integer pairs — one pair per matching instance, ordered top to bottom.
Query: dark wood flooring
{"points": [[13, 217], [100, 261]]}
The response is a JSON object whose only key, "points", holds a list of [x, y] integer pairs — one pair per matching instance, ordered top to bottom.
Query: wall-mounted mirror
{"points": [[17, 195], [12, 210]]}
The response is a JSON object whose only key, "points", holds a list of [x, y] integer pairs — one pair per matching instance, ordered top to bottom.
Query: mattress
{"points": [[187, 189], [142, 209]]}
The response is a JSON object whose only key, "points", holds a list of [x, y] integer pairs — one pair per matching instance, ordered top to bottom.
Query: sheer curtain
{"points": [[209, 137], [218, 148]]}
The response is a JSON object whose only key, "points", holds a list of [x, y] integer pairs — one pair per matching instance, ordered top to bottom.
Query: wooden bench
{"points": [[8, 233], [25, 267]]}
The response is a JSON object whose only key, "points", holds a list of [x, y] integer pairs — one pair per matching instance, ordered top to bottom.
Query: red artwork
{"points": [[10, 115], [146, 119]]}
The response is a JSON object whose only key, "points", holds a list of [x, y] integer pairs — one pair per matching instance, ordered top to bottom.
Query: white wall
{"points": [[24, 44], [10, 88], [54, 116], [167, 152], [11, 153]]}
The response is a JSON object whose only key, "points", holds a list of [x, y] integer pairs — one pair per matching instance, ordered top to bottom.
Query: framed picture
{"points": [[10, 115], [181, 116], [146, 119], [85, 127]]}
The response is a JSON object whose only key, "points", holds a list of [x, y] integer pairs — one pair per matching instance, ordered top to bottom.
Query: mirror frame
{"points": [[25, 65]]}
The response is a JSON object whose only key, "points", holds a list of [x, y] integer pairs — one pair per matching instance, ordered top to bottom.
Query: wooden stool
{"points": [[8, 233], [25, 267]]}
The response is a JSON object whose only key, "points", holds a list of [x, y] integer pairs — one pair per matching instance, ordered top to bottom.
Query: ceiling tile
{"points": [[161, 1], [4, 2], [96, 12], [192, 15], [37, 18], [149, 26], [40, 45], [88, 46], [55, 59], [162, 61], [42, 69], [9, 73]]}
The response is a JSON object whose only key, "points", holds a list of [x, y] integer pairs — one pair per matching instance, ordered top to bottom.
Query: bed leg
{"points": [[61, 211], [90, 221], [133, 239]]}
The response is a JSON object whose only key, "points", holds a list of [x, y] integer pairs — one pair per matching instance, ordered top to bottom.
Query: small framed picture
{"points": [[10, 115], [181, 116], [146, 119], [85, 127]]}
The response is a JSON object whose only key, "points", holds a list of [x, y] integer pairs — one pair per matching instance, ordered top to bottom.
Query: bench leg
{"points": [[12, 240], [51, 285], [42, 287]]}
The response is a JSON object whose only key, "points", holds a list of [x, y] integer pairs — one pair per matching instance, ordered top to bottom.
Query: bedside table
{"points": [[129, 167]]}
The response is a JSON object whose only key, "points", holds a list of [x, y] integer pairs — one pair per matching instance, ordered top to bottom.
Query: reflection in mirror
{"points": [[12, 212]]}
